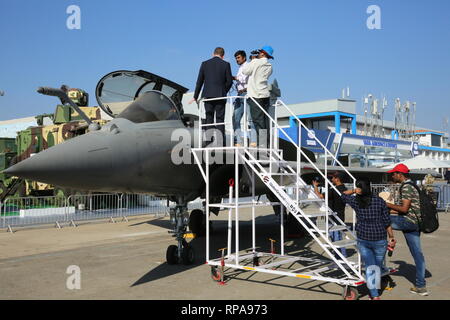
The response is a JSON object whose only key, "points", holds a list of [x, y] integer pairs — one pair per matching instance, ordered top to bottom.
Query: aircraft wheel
{"points": [[196, 222], [172, 254], [188, 255], [216, 273], [351, 293]]}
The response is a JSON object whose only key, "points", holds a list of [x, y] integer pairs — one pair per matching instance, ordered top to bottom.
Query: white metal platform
{"points": [[266, 163]]}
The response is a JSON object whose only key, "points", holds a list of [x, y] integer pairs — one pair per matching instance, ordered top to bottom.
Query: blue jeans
{"points": [[237, 116], [412, 235], [336, 236], [372, 254]]}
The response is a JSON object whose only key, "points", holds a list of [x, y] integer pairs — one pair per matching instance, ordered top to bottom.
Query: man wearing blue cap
{"points": [[259, 71]]}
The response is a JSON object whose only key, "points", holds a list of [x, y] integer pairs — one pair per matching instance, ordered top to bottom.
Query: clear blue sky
{"points": [[320, 46]]}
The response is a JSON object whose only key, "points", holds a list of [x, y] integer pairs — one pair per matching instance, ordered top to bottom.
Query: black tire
{"points": [[197, 223], [172, 254], [188, 255]]}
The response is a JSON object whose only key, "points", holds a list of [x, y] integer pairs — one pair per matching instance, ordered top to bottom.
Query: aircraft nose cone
{"points": [[78, 163]]}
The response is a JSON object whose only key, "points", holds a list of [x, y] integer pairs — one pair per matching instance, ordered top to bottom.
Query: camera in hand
{"points": [[254, 54]]}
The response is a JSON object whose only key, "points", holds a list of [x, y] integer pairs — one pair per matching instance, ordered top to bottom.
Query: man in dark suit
{"points": [[216, 79]]}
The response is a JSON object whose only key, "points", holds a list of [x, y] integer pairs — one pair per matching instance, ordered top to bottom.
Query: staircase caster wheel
{"points": [[197, 223], [172, 254], [188, 255], [255, 261], [216, 273], [351, 293]]}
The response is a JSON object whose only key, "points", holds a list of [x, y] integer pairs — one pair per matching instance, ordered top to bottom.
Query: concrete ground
{"points": [[126, 260]]}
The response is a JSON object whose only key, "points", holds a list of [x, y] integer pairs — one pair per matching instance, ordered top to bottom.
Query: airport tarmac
{"points": [[126, 260]]}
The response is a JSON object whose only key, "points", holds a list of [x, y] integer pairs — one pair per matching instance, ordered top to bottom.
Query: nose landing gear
{"points": [[183, 252]]}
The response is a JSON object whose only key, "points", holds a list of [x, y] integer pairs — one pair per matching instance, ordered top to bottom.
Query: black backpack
{"points": [[428, 220]]}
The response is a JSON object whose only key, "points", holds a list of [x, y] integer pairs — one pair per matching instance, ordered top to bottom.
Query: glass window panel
{"points": [[435, 140], [350, 148], [381, 151], [404, 153], [357, 160], [380, 161]]}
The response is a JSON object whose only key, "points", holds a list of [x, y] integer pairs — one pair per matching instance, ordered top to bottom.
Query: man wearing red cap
{"points": [[407, 221]]}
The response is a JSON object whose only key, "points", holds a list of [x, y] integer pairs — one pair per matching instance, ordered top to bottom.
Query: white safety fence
{"points": [[19, 212]]}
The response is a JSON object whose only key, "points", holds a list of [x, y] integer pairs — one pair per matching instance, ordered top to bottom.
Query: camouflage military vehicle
{"points": [[65, 123], [8, 151]]}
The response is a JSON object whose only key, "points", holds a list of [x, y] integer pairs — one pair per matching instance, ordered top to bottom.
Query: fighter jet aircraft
{"points": [[132, 153]]}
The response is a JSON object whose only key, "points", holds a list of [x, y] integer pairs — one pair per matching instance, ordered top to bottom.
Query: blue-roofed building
{"points": [[343, 132]]}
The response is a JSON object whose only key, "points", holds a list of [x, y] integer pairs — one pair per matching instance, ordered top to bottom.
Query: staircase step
{"points": [[263, 161], [294, 185], [310, 200], [314, 215], [334, 228], [339, 228], [343, 243]]}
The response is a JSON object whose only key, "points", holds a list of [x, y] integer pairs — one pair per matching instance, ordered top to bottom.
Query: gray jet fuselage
{"points": [[121, 157]]}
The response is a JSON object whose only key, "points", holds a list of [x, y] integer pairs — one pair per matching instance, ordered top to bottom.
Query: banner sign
{"points": [[309, 138], [377, 143], [415, 149]]}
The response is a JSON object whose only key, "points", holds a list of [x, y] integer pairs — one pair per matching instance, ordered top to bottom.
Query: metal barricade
{"points": [[392, 189], [436, 194], [442, 194], [446, 197], [138, 204], [94, 206], [34, 211], [19, 212]]}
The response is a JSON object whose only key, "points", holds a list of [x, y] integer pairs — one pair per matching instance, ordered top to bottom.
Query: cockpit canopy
{"points": [[140, 96], [150, 106]]}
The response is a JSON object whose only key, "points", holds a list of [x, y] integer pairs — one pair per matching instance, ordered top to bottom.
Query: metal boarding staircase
{"points": [[266, 169], [279, 176], [308, 220]]}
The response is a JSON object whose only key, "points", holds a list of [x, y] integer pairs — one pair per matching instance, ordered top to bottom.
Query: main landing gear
{"points": [[183, 252]]}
